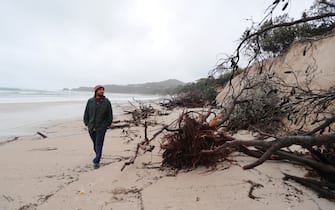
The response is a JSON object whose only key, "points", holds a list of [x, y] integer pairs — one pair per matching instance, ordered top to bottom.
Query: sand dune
{"points": [[314, 56]]}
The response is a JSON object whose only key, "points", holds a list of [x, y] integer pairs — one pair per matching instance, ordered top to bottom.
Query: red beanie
{"points": [[98, 87]]}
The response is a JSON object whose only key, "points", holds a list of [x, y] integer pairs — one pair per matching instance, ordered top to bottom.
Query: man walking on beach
{"points": [[98, 117]]}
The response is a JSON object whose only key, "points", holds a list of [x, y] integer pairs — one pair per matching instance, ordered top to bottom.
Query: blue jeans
{"points": [[98, 138]]}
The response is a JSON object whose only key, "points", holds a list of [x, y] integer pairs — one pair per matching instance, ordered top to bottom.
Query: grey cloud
{"points": [[70, 43]]}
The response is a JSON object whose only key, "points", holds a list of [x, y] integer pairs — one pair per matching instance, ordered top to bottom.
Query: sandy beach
{"points": [[57, 173]]}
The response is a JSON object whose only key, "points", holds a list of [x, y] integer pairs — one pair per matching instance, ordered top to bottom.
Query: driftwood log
{"points": [[42, 135]]}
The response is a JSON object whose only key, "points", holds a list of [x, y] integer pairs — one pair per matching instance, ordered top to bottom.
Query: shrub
{"points": [[259, 107]]}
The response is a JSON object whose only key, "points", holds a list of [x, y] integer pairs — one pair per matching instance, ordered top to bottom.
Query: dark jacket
{"points": [[98, 116]]}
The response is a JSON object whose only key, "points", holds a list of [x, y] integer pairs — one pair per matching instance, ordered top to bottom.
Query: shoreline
{"points": [[25, 119], [57, 173]]}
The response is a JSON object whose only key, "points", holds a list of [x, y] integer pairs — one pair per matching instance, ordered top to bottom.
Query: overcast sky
{"points": [[52, 44]]}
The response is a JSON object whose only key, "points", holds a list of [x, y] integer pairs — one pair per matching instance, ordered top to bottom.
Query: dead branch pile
{"points": [[141, 112], [141, 116], [144, 145], [183, 147]]}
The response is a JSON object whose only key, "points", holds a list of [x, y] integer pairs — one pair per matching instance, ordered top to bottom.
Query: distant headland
{"points": [[162, 87]]}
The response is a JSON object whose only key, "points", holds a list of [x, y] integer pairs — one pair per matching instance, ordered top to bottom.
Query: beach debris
{"points": [[140, 112], [141, 116], [125, 125], [41, 134], [10, 140], [143, 145], [44, 149], [151, 165], [252, 188], [323, 188], [122, 190], [81, 192], [8, 198], [44, 198], [28, 206]]}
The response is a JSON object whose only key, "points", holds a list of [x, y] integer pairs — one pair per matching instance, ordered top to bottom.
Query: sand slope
{"points": [[314, 56]]}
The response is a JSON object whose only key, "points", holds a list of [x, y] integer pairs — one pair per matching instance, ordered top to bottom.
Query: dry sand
{"points": [[57, 173]]}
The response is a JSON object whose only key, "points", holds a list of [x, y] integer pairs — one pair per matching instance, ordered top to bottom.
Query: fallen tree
{"points": [[309, 113], [196, 139], [196, 143], [183, 147]]}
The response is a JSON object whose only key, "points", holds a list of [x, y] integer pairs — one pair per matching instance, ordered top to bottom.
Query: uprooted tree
{"points": [[290, 111], [308, 111]]}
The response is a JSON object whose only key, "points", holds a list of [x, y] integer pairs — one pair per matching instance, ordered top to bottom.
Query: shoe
{"points": [[96, 165]]}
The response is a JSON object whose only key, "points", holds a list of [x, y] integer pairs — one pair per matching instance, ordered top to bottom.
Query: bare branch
{"points": [[324, 125], [304, 141], [273, 146]]}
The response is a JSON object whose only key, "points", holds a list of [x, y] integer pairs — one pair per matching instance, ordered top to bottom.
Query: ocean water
{"points": [[22, 111]]}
